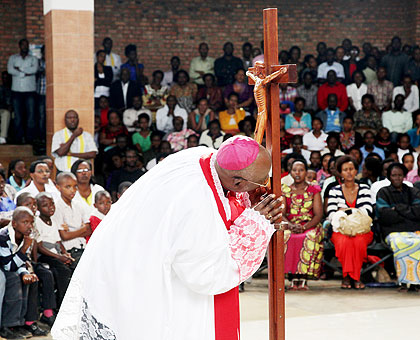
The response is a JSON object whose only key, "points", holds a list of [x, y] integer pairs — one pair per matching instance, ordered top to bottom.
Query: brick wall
{"points": [[168, 27]]}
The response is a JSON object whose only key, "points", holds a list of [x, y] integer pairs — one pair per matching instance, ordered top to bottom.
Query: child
{"points": [[404, 147], [315, 160], [408, 161], [323, 174], [311, 176], [122, 188], [102, 206], [72, 217], [50, 246], [15, 247]]}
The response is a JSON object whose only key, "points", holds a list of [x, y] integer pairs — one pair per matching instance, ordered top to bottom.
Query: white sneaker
{"points": [[2, 140]]}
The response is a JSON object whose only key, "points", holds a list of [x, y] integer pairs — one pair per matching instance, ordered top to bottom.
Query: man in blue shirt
{"points": [[136, 69], [332, 117], [369, 147]]}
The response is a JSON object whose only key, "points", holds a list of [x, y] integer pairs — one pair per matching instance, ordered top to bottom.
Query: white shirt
{"points": [[114, 60], [198, 64], [324, 68], [168, 79], [125, 89], [101, 90], [356, 94], [411, 103], [131, 115], [399, 121], [164, 122], [205, 139], [315, 143], [82, 144], [305, 153], [338, 153], [378, 185], [32, 189], [94, 189], [73, 216], [48, 233]]}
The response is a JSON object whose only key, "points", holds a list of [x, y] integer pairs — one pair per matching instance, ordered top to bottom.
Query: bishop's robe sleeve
{"points": [[213, 260]]}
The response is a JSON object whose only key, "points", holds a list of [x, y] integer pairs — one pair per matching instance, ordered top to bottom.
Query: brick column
{"points": [[69, 63]]}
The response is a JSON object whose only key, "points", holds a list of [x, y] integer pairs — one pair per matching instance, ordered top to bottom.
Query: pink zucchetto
{"points": [[237, 153]]}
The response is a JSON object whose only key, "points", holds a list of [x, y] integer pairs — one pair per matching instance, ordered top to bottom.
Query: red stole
{"points": [[226, 305]]}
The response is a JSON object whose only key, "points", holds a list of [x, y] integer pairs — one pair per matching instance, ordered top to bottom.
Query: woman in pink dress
{"points": [[303, 230]]}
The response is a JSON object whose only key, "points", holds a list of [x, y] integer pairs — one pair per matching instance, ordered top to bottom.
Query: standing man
{"points": [[247, 55], [112, 59], [395, 62], [201, 65], [226, 66], [23, 67], [136, 69], [168, 76], [41, 89], [381, 90], [123, 91], [5, 106], [72, 143], [169, 256]]}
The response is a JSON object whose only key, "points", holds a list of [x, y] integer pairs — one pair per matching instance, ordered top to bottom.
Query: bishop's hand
{"points": [[271, 207]]}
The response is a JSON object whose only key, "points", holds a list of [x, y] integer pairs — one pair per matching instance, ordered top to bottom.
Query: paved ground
{"points": [[326, 312]]}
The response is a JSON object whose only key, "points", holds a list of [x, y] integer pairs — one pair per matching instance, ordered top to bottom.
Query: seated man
{"points": [[330, 64], [332, 86], [122, 91], [131, 115], [165, 115], [332, 117], [397, 120], [72, 143], [131, 172], [40, 176], [398, 211], [72, 218], [15, 247]]}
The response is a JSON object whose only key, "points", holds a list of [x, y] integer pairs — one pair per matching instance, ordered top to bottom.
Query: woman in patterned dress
{"points": [[303, 231]]}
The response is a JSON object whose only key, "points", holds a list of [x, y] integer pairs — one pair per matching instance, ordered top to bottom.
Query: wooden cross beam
{"points": [[265, 77]]}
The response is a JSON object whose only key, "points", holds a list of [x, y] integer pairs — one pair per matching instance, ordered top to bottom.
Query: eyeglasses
{"points": [[83, 170], [265, 184]]}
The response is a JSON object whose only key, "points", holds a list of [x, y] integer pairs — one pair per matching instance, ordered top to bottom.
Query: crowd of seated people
{"points": [[350, 137]]}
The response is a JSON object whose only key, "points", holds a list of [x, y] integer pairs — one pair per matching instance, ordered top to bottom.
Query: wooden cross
{"points": [[266, 78]]}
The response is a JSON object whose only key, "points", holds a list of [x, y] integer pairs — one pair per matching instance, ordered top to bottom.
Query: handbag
{"points": [[356, 222]]}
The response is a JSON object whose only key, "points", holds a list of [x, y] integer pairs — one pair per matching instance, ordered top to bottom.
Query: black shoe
{"points": [[48, 321], [35, 330], [22, 331], [7, 333]]}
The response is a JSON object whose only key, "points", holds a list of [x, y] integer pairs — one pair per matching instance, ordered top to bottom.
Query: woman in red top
{"points": [[114, 128]]}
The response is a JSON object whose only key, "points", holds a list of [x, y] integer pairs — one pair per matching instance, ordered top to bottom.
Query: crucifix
{"points": [[266, 77]]}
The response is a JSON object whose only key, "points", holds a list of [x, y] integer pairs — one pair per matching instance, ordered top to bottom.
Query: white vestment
{"points": [[154, 264]]}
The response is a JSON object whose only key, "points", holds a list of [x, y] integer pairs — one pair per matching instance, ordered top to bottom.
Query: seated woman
{"points": [[241, 87], [184, 91], [211, 92], [155, 94], [199, 119], [367, 119], [298, 122], [247, 126], [114, 128], [213, 136], [349, 137], [86, 187], [398, 211], [303, 235], [351, 251]]}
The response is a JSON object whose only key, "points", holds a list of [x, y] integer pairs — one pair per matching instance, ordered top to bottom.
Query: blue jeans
{"points": [[24, 102], [42, 118], [15, 301]]}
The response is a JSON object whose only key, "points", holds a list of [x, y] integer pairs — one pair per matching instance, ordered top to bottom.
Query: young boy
{"points": [[102, 204], [72, 217], [15, 244], [50, 247], [48, 301]]}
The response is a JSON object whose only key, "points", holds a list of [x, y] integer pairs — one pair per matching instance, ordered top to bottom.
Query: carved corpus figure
{"points": [[258, 75]]}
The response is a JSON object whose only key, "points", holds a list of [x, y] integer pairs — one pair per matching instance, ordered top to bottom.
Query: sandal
{"points": [[345, 283], [294, 284], [303, 285], [359, 285]]}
